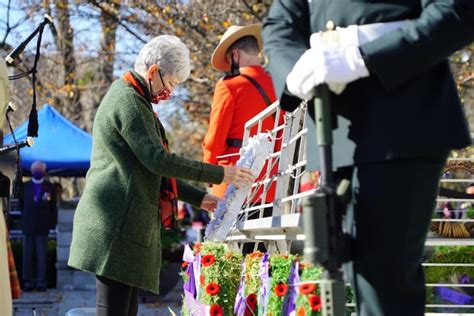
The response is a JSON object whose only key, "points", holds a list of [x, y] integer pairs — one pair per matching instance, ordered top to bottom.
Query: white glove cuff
{"points": [[356, 62]]}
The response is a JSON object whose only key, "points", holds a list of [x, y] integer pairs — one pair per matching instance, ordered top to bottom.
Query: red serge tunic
{"points": [[236, 100]]}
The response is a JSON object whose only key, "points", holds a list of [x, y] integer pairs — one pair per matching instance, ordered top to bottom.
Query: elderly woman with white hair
{"points": [[117, 223]]}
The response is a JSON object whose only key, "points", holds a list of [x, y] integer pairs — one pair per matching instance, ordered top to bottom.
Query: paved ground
{"points": [[58, 303]]}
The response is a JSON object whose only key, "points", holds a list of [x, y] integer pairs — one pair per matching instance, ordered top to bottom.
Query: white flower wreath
{"points": [[253, 157]]}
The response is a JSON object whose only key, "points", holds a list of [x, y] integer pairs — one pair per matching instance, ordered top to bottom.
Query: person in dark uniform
{"points": [[386, 63], [39, 215]]}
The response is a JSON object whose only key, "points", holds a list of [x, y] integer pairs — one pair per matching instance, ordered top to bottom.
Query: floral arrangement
{"points": [[252, 156], [281, 267], [215, 272], [220, 282], [250, 288], [308, 301]]}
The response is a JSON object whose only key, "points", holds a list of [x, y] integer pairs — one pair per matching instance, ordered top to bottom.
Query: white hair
{"points": [[169, 53], [38, 165]]}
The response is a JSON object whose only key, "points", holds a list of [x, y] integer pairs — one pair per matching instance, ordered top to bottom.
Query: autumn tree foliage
{"points": [[95, 41]]}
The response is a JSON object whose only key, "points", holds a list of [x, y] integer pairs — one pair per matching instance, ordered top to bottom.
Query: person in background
{"points": [[386, 65], [244, 91], [134, 178], [38, 217]]}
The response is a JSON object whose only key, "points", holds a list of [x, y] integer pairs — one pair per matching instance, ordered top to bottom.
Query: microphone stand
{"points": [[15, 54]]}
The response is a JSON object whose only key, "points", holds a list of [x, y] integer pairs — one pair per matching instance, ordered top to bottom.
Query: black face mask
{"points": [[234, 67]]}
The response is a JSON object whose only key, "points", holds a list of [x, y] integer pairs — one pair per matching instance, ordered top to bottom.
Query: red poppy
{"points": [[256, 254], [208, 260], [184, 265], [202, 280], [212, 288], [307, 288], [280, 289], [252, 299], [315, 302], [216, 310], [300, 312]]}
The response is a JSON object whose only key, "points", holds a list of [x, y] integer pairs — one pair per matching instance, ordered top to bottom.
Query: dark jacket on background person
{"points": [[39, 217]]}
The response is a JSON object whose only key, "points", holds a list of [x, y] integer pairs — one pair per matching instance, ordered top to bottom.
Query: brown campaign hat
{"points": [[232, 34]]}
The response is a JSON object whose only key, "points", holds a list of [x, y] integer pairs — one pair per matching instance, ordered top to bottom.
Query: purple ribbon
{"points": [[38, 191], [188, 254], [197, 272], [263, 272], [465, 279], [190, 285], [454, 296], [290, 304], [239, 306], [194, 307]]}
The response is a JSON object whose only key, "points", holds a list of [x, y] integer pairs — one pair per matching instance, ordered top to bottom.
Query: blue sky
{"points": [[86, 34]]}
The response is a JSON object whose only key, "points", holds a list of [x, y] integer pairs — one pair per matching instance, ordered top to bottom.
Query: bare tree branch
{"points": [[116, 18]]}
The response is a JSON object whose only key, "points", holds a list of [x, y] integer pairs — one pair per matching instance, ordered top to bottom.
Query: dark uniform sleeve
{"points": [[443, 27], [286, 33]]}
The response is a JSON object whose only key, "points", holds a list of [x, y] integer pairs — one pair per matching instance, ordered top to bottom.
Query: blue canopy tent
{"points": [[63, 146]]}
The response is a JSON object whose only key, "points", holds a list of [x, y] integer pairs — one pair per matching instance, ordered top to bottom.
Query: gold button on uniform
{"points": [[330, 25]]}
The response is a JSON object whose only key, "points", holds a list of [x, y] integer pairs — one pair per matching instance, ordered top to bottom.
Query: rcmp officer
{"points": [[386, 63], [243, 93]]}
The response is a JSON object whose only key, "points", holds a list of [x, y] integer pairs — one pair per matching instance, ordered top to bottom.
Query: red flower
{"points": [[256, 254], [208, 260], [184, 265], [201, 279], [212, 288], [307, 288], [280, 289], [252, 299], [315, 302], [216, 310], [249, 312], [300, 312]]}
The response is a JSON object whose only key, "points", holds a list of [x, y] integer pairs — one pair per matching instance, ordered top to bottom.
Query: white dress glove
{"points": [[334, 58], [332, 64]]}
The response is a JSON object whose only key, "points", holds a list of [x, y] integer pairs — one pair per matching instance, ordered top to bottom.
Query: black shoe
{"points": [[28, 288], [41, 288]]}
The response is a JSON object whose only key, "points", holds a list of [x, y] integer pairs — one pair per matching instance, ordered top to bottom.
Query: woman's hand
{"points": [[238, 176], [209, 203]]}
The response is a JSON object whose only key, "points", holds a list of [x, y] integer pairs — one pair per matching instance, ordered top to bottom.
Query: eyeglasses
{"points": [[161, 78]]}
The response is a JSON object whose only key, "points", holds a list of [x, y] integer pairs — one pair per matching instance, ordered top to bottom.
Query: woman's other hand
{"points": [[238, 176], [209, 203]]}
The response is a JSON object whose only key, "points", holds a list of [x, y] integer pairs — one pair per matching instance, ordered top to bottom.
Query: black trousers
{"points": [[393, 206], [35, 258], [115, 298]]}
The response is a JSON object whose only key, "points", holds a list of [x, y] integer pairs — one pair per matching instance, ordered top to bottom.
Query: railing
{"points": [[285, 226]]}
